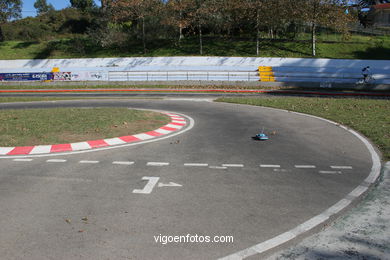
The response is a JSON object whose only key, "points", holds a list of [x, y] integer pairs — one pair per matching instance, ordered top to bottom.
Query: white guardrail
{"points": [[183, 75], [278, 76]]}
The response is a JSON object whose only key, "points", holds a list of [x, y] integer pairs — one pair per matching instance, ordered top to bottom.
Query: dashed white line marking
{"points": [[22, 160], [56, 160], [90, 162], [123, 163], [157, 164], [196, 164], [233, 165], [269, 166], [305, 166], [218, 167], [342, 167], [330, 172]]}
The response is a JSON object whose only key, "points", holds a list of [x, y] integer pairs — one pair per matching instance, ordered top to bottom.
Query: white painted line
{"points": [[143, 136], [114, 141], [80, 146], [39, 149], [5, 150], [22, 160], [56, 160], [91, 162], [123, 163], [157, 164], [196, 164], [233, 165], [269, 166], [305, 166], [218, 167], [342, 167], [330, 172], [152, 181], [171, 184], [358, 191], [336, 208], [311, 223], [261, 247]]}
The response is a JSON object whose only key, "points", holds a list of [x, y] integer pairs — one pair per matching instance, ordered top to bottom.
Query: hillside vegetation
{"points": [[229, 30]]}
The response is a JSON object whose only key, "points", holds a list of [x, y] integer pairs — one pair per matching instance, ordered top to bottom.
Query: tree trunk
{"points": [[257, 33], [1, 34], [143, 34], [181, 36], [200, 39], [313, 39]]}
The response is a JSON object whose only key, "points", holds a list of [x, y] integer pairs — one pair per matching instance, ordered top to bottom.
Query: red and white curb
{"points": [[177, 123]]}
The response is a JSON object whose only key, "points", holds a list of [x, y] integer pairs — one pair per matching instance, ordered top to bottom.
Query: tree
{"points": [[82, 4], [42, 6], [9, 9], [136, 12], [327, 13], [178, 15]]}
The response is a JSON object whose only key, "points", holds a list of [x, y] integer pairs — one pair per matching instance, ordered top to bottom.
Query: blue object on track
{"points": [[262, 136]]}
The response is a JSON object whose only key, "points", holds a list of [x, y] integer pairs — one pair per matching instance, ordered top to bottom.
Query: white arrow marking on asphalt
{"points": [[152, 181], [171, 184]]}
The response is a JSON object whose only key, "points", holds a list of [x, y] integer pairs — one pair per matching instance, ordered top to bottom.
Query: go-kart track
{"points": [[211, 179]]}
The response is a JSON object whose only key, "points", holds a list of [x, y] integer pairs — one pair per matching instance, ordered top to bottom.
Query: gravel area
{"points": [[363, 233]]}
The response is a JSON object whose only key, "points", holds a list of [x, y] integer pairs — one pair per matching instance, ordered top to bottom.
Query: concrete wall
{"points": [[286, 69]]}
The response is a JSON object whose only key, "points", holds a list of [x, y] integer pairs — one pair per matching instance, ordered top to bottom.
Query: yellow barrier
{"points": [[266, 74]]}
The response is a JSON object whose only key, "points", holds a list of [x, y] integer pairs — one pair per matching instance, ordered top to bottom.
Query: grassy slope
{"points": [[358, 47], [370, 117], [65, 125]]}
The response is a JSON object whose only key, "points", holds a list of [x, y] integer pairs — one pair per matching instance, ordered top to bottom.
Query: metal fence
{"points": [[183, 75]]}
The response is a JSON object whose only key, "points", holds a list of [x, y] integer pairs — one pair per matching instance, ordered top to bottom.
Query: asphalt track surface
{"points": [[220, 182]]}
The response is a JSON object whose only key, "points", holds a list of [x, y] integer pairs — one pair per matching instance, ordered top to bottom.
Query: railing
{"points": [[183, 75]]}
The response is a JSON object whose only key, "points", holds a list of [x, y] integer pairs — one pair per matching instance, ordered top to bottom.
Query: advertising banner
{"points": [[40, 76], [62, 76]]}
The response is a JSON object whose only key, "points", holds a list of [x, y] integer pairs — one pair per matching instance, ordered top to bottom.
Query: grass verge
{"points": [[357, 47], [369, 117], [65, 125]]}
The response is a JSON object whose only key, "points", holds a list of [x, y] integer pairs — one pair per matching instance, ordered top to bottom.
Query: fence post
{"points": [[147, 76]]}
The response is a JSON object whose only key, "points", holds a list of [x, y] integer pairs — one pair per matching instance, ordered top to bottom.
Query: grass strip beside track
{"points": [[369, 117], [27, 127]]}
